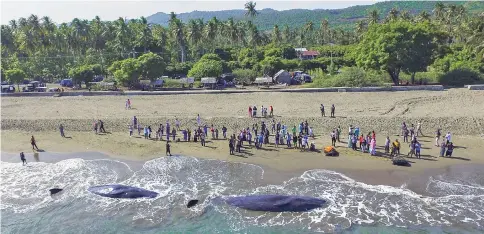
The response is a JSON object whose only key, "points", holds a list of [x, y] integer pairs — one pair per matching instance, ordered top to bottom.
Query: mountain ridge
{"points": [[345, 17]]}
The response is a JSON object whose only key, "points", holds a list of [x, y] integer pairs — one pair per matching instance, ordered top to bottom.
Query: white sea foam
{"points": [[180, 179]]}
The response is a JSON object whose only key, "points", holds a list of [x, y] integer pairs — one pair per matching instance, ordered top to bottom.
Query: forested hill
{"points": [[346, 18]]}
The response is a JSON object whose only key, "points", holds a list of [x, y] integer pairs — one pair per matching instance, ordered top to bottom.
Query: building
{"points": [[306, 55], [283, 77]]}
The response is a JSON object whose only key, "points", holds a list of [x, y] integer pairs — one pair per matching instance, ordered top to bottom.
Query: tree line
{"points": [[446, 39]]}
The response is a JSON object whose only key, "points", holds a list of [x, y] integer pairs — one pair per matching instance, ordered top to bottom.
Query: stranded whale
{"points": [[121, 191], [272, 203]]}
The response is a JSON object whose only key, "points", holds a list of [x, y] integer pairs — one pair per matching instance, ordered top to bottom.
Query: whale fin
{"points": [[55, 191], [192, 203]]}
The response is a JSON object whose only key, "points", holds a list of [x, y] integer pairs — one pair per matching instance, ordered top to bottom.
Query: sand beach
{"points": [[459, 111]]}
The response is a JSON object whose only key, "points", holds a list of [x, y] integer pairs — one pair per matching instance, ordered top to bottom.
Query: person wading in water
{"points": [[168, 151], [22, 157]]}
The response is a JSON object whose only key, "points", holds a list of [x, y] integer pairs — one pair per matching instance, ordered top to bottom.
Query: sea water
{"points": [[452, 204]]}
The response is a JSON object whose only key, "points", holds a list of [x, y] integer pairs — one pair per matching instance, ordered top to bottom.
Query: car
{"points": [[66, 83]]}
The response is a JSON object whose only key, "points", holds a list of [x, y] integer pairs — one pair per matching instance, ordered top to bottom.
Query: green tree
{"points": [[397, 46], [210, 65], [271, 65], [152, 66], [127, 72], [82, 74], [15, 76], [245, 76]]}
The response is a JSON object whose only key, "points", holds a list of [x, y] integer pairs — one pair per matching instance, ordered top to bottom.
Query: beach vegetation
{"points": [[391, 41]]}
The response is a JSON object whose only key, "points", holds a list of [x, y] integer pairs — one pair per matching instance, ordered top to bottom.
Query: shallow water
{"points": [[456, 204]]}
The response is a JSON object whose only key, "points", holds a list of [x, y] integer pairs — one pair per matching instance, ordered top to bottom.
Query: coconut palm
{"points": [[250, 9], [439, 11], [393, 14], [405, 15], [423, 16], [374, 17], [176, 28], [324, 31], [276, 35]]}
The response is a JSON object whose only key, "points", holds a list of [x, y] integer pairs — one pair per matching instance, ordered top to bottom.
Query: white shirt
{"points": [[448, 136]]}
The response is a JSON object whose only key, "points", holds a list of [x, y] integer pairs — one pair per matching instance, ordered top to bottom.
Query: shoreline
{"points": [[279, 164], [416, 181]]}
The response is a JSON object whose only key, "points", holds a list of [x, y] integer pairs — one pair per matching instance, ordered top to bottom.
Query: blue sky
{"points": [[66, 10]]}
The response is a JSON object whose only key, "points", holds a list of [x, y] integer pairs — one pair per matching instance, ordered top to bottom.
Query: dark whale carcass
{"points": [[121, 191], [272, 203]]}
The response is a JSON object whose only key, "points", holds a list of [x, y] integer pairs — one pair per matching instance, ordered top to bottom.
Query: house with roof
{"points": [[305, 54]]}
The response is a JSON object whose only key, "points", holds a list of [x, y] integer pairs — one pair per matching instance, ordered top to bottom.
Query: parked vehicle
{"points": [[187, 82], [66, 83], [147, 85], [35, 86], [6, 88]]}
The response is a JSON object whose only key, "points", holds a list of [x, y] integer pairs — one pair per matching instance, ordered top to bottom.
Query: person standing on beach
{"points": [[128, 104], [272, 111], [322, 111], [332, 111], [250, 112], [199, 121], [135, 122], [177, 124], [95, 126], [101, 126], [273, 127], [404, 128], [61, 129], [419, 129], [130, 130], [224, 131], [145, 132], [338, 133], [405, 135], [437, 136], [448, 137], [202, 138], [333, 138], [32, 142], [387, 145], [443, 145], [231, 146], [412, 149], [417, 149], [450, 149], [168, 151], [22, 157]]}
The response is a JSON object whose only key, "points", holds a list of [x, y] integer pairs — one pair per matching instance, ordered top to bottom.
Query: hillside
{"points": [[345, 18]]}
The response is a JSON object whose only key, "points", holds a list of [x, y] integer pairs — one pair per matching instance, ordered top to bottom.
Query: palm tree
{"points": [[250, 9], [439, 11], [393, 14], [406, 16], [423, 16], [374, 17], [176, 28], [309, 29], [359, 29], [231, 31], [324, 31], [286, 34], [276, 35], [144, 37]]}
